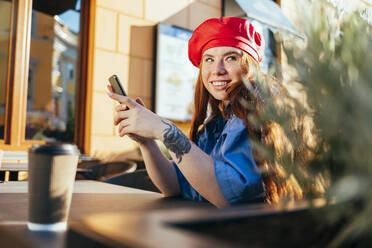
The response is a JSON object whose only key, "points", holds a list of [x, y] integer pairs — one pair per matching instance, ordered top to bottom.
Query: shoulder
{"points": [[235, 124], [235, 135]]}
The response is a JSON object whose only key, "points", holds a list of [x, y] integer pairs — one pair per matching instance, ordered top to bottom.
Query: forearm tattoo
{"points": [[176, 141]]}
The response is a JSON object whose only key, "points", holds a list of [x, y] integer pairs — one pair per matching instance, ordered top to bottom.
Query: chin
{"points": [[219, 97]]}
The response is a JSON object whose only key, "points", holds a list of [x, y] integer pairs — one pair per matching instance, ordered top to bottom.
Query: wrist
{"points": [[160, 130], [146, 142], [147, 146]]}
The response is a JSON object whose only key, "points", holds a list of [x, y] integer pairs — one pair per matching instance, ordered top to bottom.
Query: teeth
{"points": [[219, 83]]}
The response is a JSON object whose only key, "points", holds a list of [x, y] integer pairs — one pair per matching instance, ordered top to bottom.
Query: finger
{"points": [[123, 99], [139, 100], [121, 107], [121, 116], [123, 124], [125, 130]]}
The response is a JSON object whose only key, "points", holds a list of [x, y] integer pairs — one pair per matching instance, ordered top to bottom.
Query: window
{"points": [[5, 17], [55, 46], [42, 59]]}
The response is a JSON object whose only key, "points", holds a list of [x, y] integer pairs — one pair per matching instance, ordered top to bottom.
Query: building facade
{"points": [[124, 45], [46, 67], [53, 74]]}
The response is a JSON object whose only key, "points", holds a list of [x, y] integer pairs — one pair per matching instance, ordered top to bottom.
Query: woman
{"points": [[217, 163]]}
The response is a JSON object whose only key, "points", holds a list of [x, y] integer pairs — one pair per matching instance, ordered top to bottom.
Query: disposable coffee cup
{"points": [[51, 176]]}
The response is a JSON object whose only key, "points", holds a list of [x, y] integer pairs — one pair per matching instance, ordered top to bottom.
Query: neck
{"points": [[224, 108]]}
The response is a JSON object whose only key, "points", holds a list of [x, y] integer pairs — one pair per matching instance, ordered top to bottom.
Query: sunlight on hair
{"points": [[285, 149]]}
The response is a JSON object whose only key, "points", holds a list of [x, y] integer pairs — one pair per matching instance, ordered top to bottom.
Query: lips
{"points": [[220, 84]]}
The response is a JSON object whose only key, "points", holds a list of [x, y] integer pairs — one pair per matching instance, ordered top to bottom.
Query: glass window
{"points": [[5, 17], [52, 70]]}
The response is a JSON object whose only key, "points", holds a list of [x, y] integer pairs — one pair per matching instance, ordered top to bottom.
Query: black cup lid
{"points": [[55, 149]]}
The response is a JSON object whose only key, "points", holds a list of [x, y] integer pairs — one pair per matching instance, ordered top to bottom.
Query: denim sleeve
{"points": [[236, 171]]}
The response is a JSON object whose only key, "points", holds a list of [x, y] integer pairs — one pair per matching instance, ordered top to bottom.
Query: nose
{"points": [[220, 67]]}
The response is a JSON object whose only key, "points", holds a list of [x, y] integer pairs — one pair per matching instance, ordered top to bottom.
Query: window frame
{"points": [[17, 77]]}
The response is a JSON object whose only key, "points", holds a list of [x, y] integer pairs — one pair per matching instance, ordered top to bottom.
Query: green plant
{"points": [[333, 66]]}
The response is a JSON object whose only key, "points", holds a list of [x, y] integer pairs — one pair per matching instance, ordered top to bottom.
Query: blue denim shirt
{"points": [[228, 143]]}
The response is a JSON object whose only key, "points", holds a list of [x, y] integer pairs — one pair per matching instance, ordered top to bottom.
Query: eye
{"points": [[231, 58], [208, 59]]}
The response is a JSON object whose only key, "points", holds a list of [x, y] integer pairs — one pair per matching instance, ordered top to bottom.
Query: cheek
{"points": [[235, 70], [205, 75]]}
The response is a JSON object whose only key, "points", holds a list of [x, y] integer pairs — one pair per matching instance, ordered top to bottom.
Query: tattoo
{"points": [[176, 141]]}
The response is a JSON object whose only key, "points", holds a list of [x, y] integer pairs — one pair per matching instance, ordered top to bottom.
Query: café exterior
{"points": [[55, 59]]}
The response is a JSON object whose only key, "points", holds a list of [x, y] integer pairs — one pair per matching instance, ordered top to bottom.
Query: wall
{"points": [[123, 45]]}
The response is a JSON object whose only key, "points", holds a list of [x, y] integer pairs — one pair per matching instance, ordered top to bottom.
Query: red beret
{"points": [[226, 31]]}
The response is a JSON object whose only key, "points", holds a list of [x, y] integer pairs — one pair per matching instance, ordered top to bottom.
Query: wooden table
{"points": [[89, 197], [104, 215]]}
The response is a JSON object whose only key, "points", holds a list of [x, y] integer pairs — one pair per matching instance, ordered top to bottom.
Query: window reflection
{"points": [[5, 15], [52, 71]]}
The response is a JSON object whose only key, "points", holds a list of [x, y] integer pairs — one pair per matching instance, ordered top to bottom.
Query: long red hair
{"points": [[246, 102]]}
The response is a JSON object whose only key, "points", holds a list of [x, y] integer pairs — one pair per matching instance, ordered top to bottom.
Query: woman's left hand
{"points": [[133, 118]]}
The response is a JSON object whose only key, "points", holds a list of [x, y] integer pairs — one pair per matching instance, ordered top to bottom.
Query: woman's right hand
{"points": [[122, 107], [135, 137]]}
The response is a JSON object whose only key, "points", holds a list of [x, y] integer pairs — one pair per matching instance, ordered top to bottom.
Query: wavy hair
{"points": [[247, 103]]}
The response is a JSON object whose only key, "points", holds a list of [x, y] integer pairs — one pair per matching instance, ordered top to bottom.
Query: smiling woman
{"points": [[216, 163]]}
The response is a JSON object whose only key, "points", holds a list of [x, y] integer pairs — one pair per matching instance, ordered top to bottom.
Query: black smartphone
{"points": [[116, 85]]}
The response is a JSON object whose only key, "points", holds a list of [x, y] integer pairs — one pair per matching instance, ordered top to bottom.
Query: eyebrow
{"points": [[225, 54]]}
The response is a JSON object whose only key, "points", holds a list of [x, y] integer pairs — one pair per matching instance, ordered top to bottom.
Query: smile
{"points": [[220, 83]]}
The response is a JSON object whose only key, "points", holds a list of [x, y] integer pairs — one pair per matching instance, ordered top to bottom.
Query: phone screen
{"points": [[116, 85]]}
